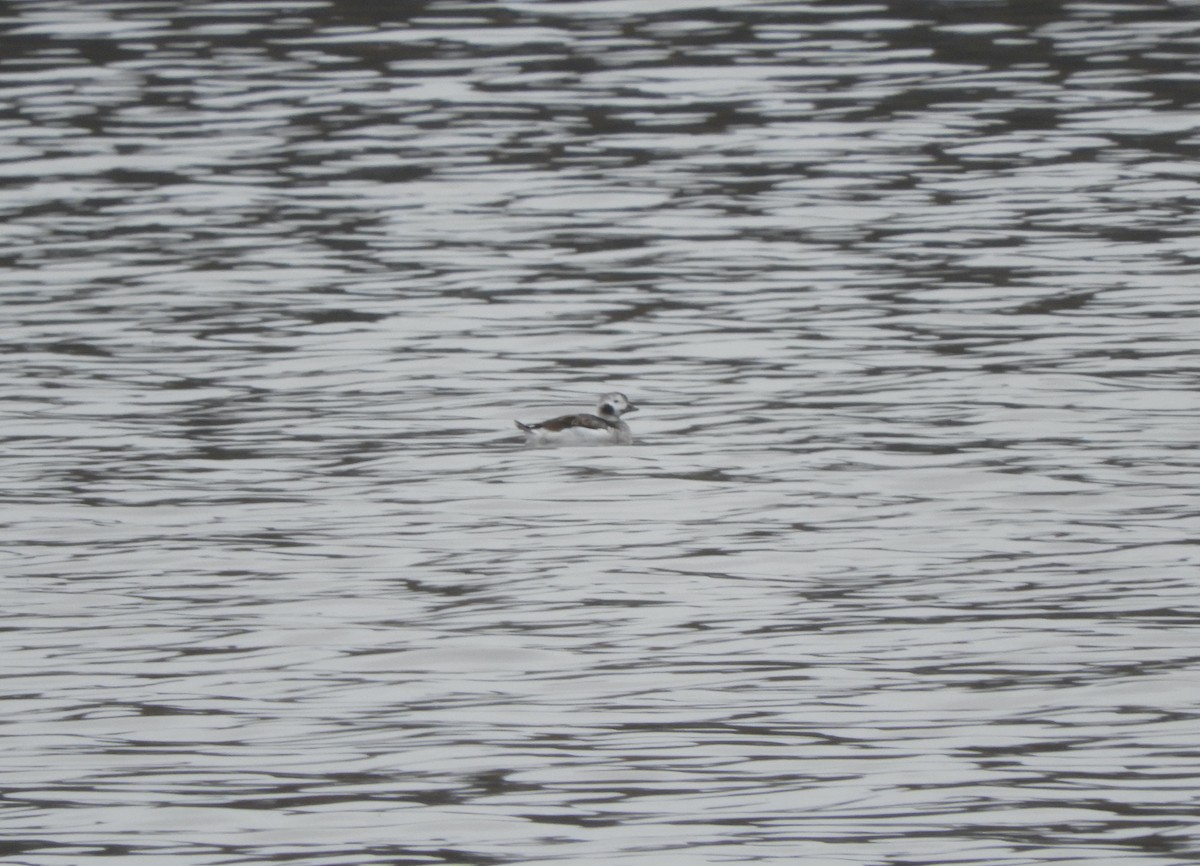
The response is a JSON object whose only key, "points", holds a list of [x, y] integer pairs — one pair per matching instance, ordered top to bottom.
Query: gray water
{"points": [[902, 568]]}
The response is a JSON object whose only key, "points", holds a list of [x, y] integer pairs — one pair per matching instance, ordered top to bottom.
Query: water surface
{"points": [[901, 570]]}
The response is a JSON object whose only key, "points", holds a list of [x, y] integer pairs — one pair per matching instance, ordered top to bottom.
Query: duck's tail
{"points": [[524, 428]]}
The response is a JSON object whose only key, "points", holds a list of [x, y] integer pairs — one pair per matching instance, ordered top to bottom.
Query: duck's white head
{"points": [[614, 405]]}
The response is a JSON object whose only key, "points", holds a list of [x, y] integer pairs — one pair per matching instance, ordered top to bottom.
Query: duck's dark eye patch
{"points": [[607, 409]]}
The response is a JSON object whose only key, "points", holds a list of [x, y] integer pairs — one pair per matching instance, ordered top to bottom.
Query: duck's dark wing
{"points": [[563, 422]]}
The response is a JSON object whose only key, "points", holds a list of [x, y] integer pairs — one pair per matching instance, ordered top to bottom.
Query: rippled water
{"points": [[901, 570]]}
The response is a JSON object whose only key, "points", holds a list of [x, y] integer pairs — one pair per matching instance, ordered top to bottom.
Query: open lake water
{"points": [[902, 569]]}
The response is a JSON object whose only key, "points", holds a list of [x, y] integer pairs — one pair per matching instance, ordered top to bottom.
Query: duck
{"points": [[603, 428]]}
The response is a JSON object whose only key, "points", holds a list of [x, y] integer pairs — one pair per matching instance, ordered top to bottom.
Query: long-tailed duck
{"points": [[603, 428]]}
